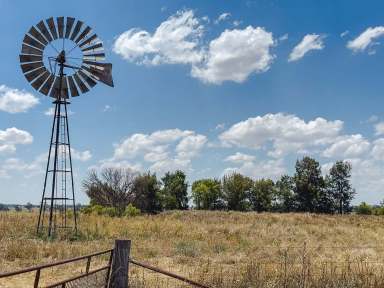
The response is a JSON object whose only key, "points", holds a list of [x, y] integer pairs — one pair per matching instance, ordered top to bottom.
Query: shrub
{"points": [[364, 209], [131, 211]]}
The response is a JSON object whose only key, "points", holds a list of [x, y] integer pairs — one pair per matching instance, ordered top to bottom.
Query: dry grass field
{"points": [[221, 249]]}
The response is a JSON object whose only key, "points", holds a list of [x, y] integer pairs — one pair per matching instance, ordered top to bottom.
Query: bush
{"points": [[364, 209], [131, 211]]}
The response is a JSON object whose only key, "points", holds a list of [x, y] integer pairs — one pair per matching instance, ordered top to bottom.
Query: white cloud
{"points": [[222, 17], [236, 23], [343, 34], [283, 37], [366, 40], [175, 41], [308, 43], [235, 54], [16, 101], [107, 108], [51, 111], [379, 128], [287, 133], [11, 137], [347, 146], [378, 149], [160, 151], [82, 156], [239, 157], [35, 167], [272, 169]]}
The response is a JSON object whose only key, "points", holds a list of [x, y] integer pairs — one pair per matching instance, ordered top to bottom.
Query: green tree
{"points": [[309, 184], [339, 185], [146, 189], [235, 189], [175, 191], [206, 194], [261, 195], [284, 195], [29, 206], [364, 209]]}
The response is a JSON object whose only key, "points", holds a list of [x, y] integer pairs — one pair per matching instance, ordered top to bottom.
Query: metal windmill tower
{"points": [[61, 56]]}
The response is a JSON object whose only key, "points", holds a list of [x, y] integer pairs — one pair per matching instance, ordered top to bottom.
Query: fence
{"points": [[113, 275]]}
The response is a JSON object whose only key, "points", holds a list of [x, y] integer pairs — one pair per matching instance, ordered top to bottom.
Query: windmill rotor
{"points": [[40, 69]]}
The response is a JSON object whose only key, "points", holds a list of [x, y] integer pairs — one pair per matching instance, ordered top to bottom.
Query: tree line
{"points": [[306, 191]]}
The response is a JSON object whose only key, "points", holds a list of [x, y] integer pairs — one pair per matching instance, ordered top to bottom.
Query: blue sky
{"points": [[207, 87]]}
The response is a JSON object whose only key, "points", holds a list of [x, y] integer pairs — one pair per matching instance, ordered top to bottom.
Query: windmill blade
{"points": [[69, 25], [60, 26], [52, 27], [44, 30], [76, 30], [83, 34], [37, 35], [88, 41], [32, 42], [93, 47], [25, 49], [100, 56], [30, 58], [31, 66], [34, 74], [104, 75], [87, 79], [39, 81], [80, 84], [47, 85], [72, 87]]}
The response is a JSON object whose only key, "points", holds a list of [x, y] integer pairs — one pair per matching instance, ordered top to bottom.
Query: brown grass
{"points": [[222, 249]]}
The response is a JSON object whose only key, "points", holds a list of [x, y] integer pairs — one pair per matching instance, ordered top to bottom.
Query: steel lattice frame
{"points": [[41, 71]]}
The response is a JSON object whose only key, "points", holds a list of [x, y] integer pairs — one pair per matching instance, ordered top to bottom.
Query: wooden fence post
{"points": [[120, 264]]}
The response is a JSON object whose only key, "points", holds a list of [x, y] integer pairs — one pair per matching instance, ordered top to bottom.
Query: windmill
{"points": [[61, 57]]}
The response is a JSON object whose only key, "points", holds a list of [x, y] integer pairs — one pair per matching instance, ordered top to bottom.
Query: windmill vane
{"points": [[55, 71]]}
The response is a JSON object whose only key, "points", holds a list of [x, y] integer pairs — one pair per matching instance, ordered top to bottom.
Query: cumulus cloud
{"points": [[366, 40], [175, 41], [308, 43], [235, 54], [232, 56], [16, 101], [51, 111], [379, 128], [287, 133], [11, 137], [347, 146], [378, 149], [161, 151], [82, 156], [239, 157], [272, 168], [28, 169]]}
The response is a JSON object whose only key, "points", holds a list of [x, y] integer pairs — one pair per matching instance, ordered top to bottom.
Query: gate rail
{"points": [[39, 268], [167, 273]]}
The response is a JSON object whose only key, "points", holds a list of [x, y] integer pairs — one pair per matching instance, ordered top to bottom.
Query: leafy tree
{"points": [[309, 184], [339, 185], [114, 188], [235, 189], [146, 190], [175, 191], [206, 194], [261, 195], [284, 195], [29, 206], [3, 207], [18, 208], [364, 209]]}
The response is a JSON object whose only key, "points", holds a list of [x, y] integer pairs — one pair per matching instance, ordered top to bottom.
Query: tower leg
{"points": [[56, 199]]}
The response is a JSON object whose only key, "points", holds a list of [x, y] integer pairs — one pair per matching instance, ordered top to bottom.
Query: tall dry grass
{"points": [[221, 249]]}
